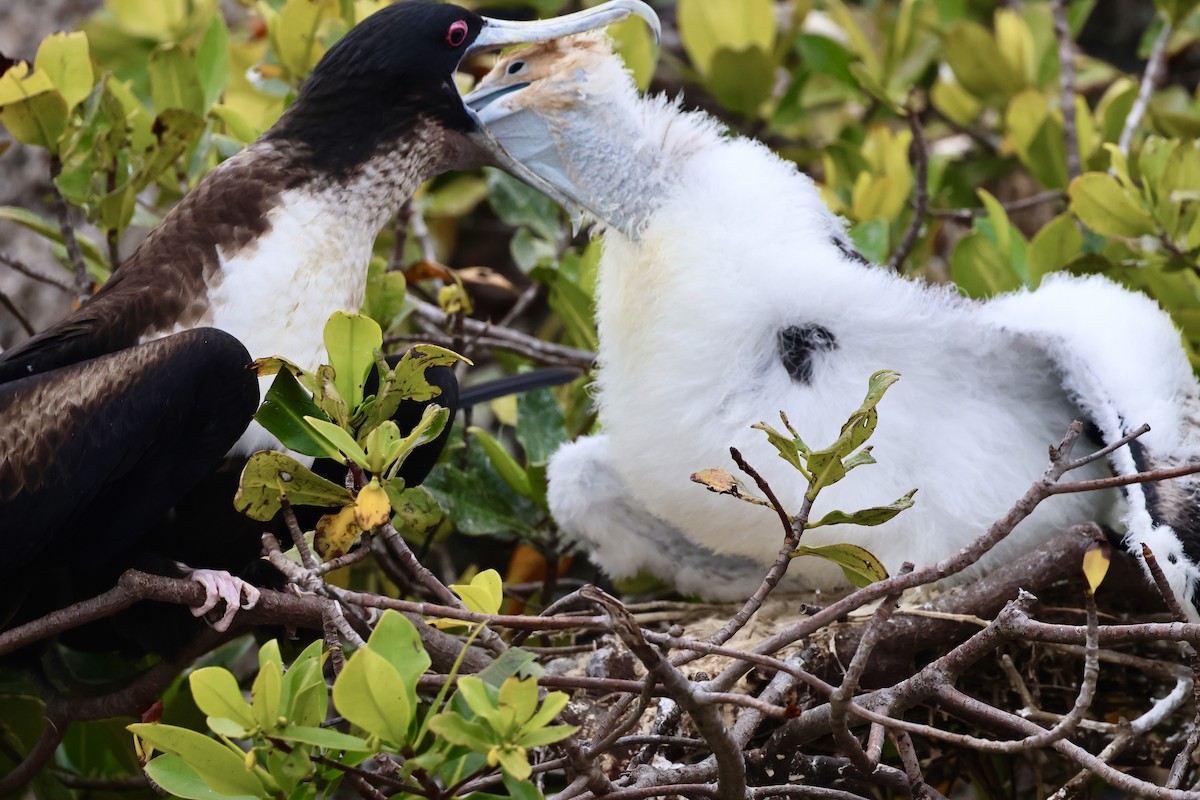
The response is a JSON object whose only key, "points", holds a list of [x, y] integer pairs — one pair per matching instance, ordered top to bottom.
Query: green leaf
{"points": [[707, 26], [972, 52], [826, 57], [66, 60], [212, 61], [741, 80], [174, 81], [34, 112], [519, 205], [1105, 207], [872, 238], [1059, 241], [96, 260], [980, 269], [386, 292], [572, 303], [352, 341], [406, 381], [283, 413], [340, 438], [825, 466], [512, 472], [268, 474], [478, 500], [876, 515], [857, 564], [396, 639], [513, 661], [217, 694], [371, 694], [265, 695], [519, 695], [479, 698], [554, 703], [456, 730], [547, 735], [323, 737], [514, 761], [217, 765], [174, 775], [520, 790]]}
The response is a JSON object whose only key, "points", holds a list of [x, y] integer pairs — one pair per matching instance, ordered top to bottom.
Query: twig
{"points": [[1066, 60], [1155, 70], [920, 154], [967, 214], [30, 272], [83, 284], [8, 303], [509, 339], [1125, 480], [1040, 490], [791, 537], [839, 701], [731, 767]]}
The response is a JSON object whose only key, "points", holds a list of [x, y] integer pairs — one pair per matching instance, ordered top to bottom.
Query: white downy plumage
{"points": [[727, 292]]}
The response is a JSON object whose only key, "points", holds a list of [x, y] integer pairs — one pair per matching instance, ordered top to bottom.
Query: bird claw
{"points": [[220, 585]]}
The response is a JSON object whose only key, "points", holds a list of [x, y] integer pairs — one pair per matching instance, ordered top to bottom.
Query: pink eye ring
{"points": [[457, 33]]}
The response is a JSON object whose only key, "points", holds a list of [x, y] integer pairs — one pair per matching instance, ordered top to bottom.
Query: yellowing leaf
{"points": [[66, 60], [34, 112], [372, 507], [337, 533], [1096, 561], [484, 594]]}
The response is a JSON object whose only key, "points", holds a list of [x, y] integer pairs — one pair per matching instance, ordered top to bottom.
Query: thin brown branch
{"points": [[1066, 60], [920, 157], [967, 214], [30, 272], [83, 283], [21, 319], [508, 339], [1125, 480], [731, 766]]}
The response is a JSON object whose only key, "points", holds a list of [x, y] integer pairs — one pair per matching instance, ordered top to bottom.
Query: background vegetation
{"points": [[982, 143]]}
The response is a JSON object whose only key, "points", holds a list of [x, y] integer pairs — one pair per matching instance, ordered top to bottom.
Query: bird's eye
{"points": [[457, 33], [516, 67]]}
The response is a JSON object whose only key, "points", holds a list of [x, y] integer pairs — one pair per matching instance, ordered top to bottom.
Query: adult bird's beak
{"points": [[498, 33], [527, 140]]}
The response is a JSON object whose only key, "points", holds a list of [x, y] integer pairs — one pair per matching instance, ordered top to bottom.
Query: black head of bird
{"points": [[392, 77]]}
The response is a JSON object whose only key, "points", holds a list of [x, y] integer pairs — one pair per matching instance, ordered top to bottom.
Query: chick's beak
{"points": [[520, 142]]}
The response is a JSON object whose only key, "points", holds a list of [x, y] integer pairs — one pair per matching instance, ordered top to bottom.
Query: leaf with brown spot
{"points": [[270, 476], [372, 508], [337, 533]]}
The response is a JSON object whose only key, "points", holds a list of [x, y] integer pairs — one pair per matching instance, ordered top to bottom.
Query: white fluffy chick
{"points": [[728, 291]]}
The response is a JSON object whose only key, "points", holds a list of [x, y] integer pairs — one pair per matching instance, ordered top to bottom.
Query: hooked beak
{"points": [[499, 33], [528, 141], [529, 152]]}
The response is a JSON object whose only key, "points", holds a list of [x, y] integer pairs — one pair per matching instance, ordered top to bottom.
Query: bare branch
{"points": [[1066, 60], [1153, 75], [920, 155]]}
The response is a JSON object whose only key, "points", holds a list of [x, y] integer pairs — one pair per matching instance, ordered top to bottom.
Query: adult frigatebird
{"points": [[728, 291], [108, 418]]}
